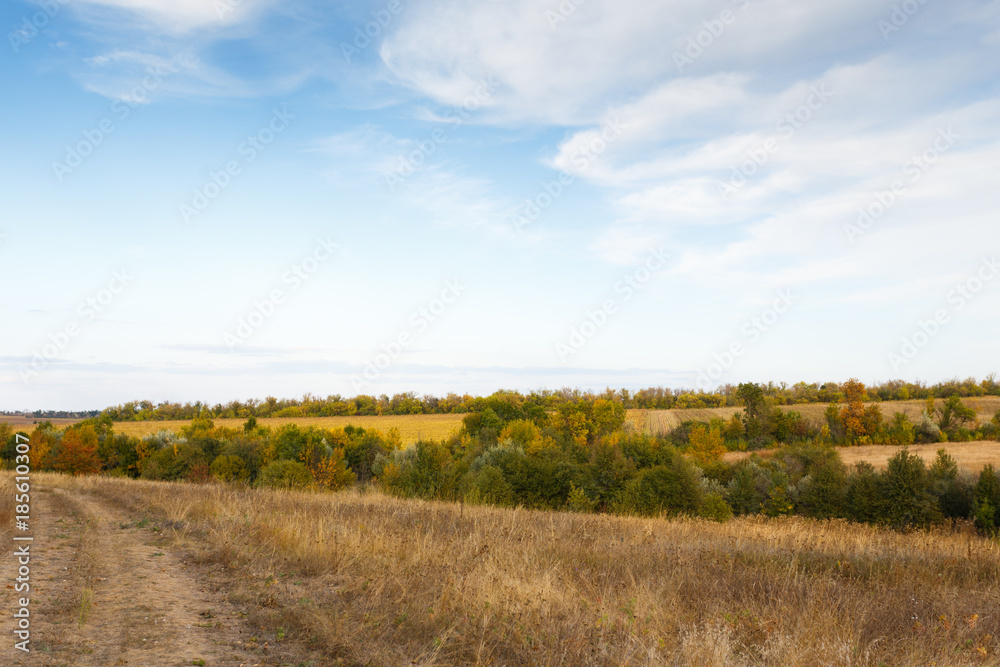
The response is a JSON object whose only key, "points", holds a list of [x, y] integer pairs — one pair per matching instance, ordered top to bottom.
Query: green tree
{"points": [[751, 395], [906, 493], [987, 501]]}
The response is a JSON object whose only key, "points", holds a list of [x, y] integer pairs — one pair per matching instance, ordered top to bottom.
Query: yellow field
{"points": [[411, 427], [267, 577]]}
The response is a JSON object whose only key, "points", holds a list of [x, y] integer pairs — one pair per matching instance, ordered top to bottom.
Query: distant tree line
{"points": [[658, 398], [581, 456]]}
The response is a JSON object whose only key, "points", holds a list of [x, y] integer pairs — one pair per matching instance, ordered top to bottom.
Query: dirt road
{"points": [[107, 589]]}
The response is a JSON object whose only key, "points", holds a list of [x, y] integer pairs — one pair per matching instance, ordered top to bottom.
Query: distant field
{"points": [[661, 421], [21, 422], [411, 427], [972, 455]]}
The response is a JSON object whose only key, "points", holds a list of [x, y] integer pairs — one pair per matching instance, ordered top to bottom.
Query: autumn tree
{"points": [[860, 423], [706, 445], [77, 453]]}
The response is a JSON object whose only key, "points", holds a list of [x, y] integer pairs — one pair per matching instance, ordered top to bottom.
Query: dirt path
{"points": [[107, 591]]}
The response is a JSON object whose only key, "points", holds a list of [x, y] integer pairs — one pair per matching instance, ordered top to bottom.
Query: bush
{"points": [[926, 430], [901, 431], [229, 468], [285, 474], [753, 483], [487, 486], [950, 487], [665, 488], [822, 493], [906, 493], [864, 498], [579, 501], [987, 501], [715, 507]]}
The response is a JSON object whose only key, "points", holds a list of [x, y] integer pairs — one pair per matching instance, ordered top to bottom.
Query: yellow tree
{"points": [[860, 423], [706, 445]]}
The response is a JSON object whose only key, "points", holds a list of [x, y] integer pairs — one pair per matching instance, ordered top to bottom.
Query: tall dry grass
{"points": [[371, 579]]}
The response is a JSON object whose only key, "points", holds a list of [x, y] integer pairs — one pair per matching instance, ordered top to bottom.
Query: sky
{"points": [[229, 199]]}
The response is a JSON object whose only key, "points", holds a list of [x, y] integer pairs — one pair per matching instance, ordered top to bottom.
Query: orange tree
{"points": [[860, 423], [77, 453]]}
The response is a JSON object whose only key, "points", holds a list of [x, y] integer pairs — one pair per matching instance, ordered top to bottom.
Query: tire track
{"points": [[106, 591]]}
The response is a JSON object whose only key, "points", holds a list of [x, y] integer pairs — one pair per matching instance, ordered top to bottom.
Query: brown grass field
{"points": [[157, 573]]}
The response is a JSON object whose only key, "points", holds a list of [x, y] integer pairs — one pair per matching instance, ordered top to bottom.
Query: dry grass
{"points": [[371, 579]]}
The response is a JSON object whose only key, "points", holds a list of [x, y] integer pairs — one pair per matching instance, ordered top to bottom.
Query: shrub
{"points": [[926, 430], [901, 431], [229, 468], [332, 473], [285, 474], [752, 484], [487, 486], [671, 488], [951, 489], [823, 492], [906, 492], [864, 493], [579, 501], [987, 501], [714, 507]]}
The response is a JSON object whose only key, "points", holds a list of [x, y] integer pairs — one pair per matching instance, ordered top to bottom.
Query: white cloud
{"points": [[181, 15]]}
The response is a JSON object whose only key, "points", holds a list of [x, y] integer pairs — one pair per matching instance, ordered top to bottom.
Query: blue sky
{"points": [[219, 199]]}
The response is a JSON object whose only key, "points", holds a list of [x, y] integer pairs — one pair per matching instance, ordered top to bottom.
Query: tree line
{"points": [[653, 398], [582, 457]]}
